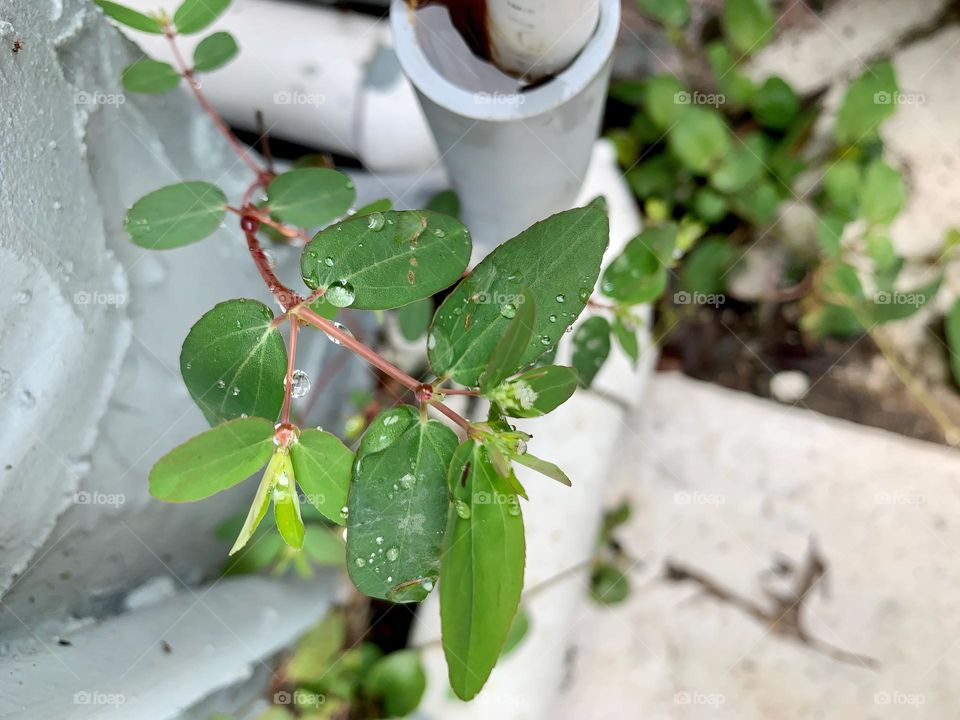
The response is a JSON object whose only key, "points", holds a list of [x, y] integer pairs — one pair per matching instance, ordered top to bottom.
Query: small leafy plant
{"points": [[421, 502]]}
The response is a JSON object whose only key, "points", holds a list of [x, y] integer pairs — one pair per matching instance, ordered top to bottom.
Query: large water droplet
{"points": [[375, 221], [439, 233], [328, 261], [341, 294], [561, 298], [508, 310], [544, 340], [299, 384], [407, 481], [463, 510], [344, 511], [392, 554], [360, 562], [427, 584]]}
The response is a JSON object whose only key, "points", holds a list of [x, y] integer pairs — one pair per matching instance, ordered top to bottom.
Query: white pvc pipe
{"points": [[322, 77], [514, 156]]}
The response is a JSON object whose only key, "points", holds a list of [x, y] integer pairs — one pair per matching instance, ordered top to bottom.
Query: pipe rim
{"points": [[565, 85]]}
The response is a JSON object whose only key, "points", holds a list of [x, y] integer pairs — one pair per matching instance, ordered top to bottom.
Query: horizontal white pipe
{"points": [[322, 77]]}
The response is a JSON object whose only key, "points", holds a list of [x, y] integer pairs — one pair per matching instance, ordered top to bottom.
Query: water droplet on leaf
{"points": [[375, 221], [341, 294], [508, 310], [299, 384], [463, 510], [392, 554]]}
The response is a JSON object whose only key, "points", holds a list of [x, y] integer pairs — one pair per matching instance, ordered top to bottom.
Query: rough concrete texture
{"points": [[90, 393], [733, 486]]}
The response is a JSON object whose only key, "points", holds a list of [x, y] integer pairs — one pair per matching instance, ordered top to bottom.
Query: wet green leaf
{"points": [[194, 15], [130, 17], [748, 24], [214, 52], [149, 76], [869, 100], [309, 197], [176, 215], [567, 247], [386, 260], [591, 346], [505, 359], [234, 362], [213, 461], [279, 463], [323, 466], [398, 505], [286, 506], [482, 569], [399, 680]]}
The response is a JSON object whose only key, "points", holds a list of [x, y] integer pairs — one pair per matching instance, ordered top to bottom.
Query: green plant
{"points": [[715, 165], [420, 502]]}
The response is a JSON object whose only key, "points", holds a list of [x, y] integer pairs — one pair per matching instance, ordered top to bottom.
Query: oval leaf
{"points": [[194, 15], [130, 17], [214, 52], [150, 76], [309, 197], [176, 215], [386, 260], [558, 260], [639, 273], [414, 319], [591, 346], [234, 362], [213, 461], [323, 466], [398, 505], [481, 570], [399, 680]]}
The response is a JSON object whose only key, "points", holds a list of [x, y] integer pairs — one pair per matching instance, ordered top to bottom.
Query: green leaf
{"points": [[673, 13], [194, 15], [130, 17], [748, 24], [214, 52], [150, 76], [736, 88], [665, 100], [869, 100], [775, 104], [699, 139], [742, 166], [657, 176], [841, 183], [883, 194], [310, 197], [446, 203], [709, 205], [758, 205], [380, 206], [176, 215], [829, 232], [386, 260], [558, 260], [706, 268], [639, 273], [890, 306], [414, 319], [952, 331], [627, 339], [591, 346], [505, 359], [234, 362], [537, 391], [213, 461], [279, 463], [323, 466], [543, 467], [398, 505], [286, 506], [612, 519], [324, 546], [482, 569], [609, 585], [518, 631], [317, 651], [399, 680]]}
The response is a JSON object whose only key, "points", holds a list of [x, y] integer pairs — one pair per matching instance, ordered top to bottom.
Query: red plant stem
{"points": [[194, 84], [249, 210], [284, 295], [291, 361], [457, 391], [458, 419]]}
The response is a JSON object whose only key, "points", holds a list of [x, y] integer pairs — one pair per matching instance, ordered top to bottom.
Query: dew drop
{"points": [[376, 221], [439, 233], [271, 258], [328, 261], [341, 294], [584, 295], [561, 298], [508, 310], [553, 318], [544, 340], [221, 384], [299, 384], [235, 392], [521, 447], [407, 481], [463, 510], [344, 511], [379, 540], [392, 554], [360, 562], [427, 584]]}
